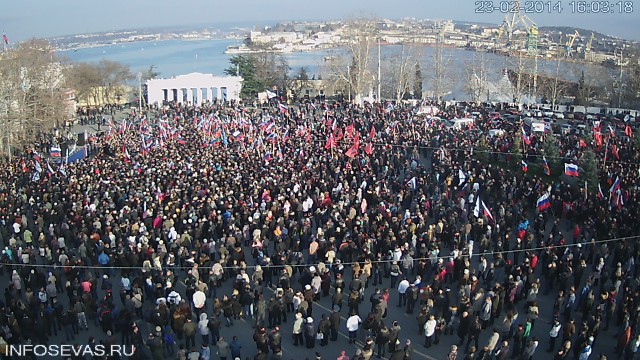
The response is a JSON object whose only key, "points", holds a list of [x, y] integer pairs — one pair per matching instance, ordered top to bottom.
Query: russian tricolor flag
{"points": [[525, 137], [181, 140], [55, 152], [267, 157], [524, 166], [545, 166], [571, 170], [413, 183], [616, 185], [543, 202], [482, 207]]}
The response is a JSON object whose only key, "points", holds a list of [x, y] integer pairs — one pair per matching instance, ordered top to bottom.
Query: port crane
{"points": [[514, 21], [569, 44], [587, 49]]}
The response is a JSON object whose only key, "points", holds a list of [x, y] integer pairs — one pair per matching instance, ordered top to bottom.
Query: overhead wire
{"points": [[444, 257]]}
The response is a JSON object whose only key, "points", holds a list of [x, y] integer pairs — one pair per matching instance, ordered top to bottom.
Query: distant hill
{"points": [[571, 30]]}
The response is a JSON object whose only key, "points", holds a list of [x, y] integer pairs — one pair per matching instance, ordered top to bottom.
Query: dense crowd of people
{"points": [[194, 217]]}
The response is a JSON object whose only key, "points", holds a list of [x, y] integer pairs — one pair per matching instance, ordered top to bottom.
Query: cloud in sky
{"points": [[46, 18]]}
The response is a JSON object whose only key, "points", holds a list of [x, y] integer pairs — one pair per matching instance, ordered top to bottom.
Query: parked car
{"points": [[546, 112], [558, 115], [578, 115], [565, 128]]}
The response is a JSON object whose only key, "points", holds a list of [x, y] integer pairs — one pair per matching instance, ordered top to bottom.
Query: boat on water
{"points": [[240, 49]]}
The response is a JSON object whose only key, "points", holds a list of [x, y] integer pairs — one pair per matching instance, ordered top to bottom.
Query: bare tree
{"points": [[352, 65], [476, 71], [114, 77], [398, 77], [84, 78], [439, 79], [592, 81], [553, 87], [32, 93]]}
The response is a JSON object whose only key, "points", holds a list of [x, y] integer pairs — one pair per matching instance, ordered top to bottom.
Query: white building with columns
{"points": [[194, 88]]}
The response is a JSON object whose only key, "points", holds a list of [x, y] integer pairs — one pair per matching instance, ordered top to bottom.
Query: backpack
{"points": [[169, 338]]}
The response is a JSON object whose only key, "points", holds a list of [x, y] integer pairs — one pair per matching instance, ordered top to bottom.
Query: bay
{"points": [[176, 57]]}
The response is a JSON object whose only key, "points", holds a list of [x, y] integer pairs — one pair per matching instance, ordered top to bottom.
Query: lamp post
{"points": [[620, 82], [139, 93]]}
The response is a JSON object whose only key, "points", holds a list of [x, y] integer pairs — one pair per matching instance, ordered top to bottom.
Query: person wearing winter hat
{"points": [[297, 330]]}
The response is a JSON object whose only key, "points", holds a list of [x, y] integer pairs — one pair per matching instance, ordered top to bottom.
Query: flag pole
{"points": [[606, 150], [585, 191]]}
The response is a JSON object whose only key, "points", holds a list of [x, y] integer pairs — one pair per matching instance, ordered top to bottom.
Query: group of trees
{"points": [[355, 68], [259, 71], [102, 83], [38, 89], [33, 96]]}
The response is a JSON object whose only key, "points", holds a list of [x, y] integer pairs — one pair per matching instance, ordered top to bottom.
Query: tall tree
{"points": [[352, 65], [245, 67], [258, 71], [398, 71], [476, 71], [114, 76], [417, 82], [33, 93], [551, 150], [516, 151], [482, 152], [589, 165]]}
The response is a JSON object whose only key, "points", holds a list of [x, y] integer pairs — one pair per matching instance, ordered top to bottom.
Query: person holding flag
{"points": [[482, 209]]}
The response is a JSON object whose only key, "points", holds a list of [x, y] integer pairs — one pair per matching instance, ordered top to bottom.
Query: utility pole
{"points": [[439, 28], [379, 72], [349, 82]]}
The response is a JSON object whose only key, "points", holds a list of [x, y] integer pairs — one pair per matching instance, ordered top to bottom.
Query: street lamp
{"points": [[139, 75], [620, 81]]}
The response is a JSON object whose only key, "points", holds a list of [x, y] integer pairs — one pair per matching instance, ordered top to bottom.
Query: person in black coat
{"points": [[463, 329], [309, 333]]}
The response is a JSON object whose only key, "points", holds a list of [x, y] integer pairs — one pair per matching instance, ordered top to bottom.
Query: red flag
{"points": [[5, 38], [349, 131], [628, 131], [372, 133], [340, 135], [598, 138], [331, 142], [582, 143], [368, 149], [614, 151], [352, 152]]}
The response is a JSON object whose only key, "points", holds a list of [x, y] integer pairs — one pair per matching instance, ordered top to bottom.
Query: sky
{"points": [[46, 18]]}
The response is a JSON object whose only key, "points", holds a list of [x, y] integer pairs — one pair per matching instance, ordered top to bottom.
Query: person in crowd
{"points": [[260, 216]]}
